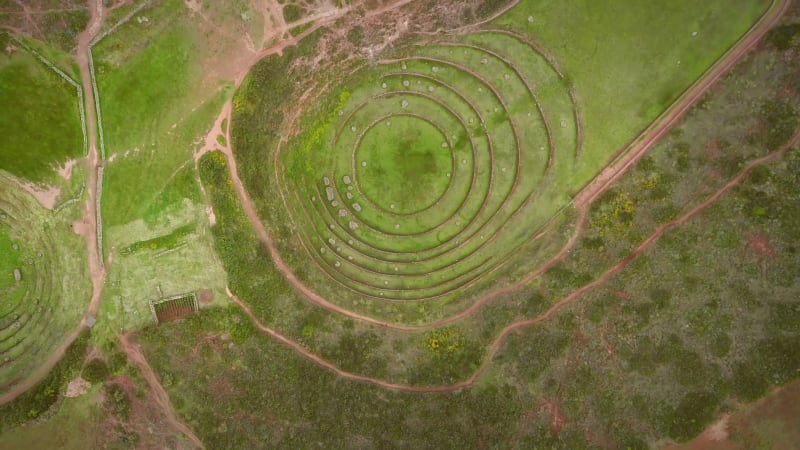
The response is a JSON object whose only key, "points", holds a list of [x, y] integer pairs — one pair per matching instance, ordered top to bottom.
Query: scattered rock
{"points": [[530, 19], [405, 83], [404, 104], [346, 179], [326, 180], [329, 193], [357, 207], [342, 213], [353, 225], [15, 246], [17, 275]]}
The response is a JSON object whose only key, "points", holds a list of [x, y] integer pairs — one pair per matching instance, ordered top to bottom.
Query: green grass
{"points": [[628, 60], [138, 95], [154, 105], [45, 129], [407, 167], [163, 242], [9, 260], [44, 394], [68, 428]]}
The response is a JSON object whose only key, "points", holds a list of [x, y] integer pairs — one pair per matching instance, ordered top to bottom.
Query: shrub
{"points": [[95, 371]]}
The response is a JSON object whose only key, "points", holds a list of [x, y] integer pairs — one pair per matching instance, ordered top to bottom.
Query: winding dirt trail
{"points": [[500, 339], [159, 395]]}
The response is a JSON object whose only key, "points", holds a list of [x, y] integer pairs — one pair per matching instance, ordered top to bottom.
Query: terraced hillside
{"points": [[437, 167], [43, 283]]}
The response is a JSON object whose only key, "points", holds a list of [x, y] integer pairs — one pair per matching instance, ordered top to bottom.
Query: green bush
{"points": [[292, 13], [785, 37], [95, 371], [44, 394], [117, 401]]}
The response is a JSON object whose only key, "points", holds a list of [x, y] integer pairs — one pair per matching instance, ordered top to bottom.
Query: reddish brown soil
{"points": [[759, 245], [205, 296], [159, 395], [552, 408], [772, 420]]}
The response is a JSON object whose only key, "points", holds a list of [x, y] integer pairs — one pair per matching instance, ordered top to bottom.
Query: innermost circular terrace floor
{"points": [[403, 164]]}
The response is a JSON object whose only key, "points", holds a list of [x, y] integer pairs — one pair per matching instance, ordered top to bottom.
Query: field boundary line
{"points": [[68, 79], [98, 114]]}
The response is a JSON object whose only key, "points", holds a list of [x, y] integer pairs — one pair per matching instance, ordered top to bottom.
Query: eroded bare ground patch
{"points": [[131, 417], [767, 423]]}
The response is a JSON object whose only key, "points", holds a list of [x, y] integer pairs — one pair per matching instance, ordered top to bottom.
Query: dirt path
{"points": [[86, 227], [500, 339], [159, 395]]}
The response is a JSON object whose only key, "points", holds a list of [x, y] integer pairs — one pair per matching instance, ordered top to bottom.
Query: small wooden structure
{"points": [[173, 307]]}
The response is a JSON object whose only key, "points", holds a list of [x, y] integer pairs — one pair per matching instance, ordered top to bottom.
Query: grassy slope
{"points": [[629, 59], [155, 103], [44, 129], [406, 164]]}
